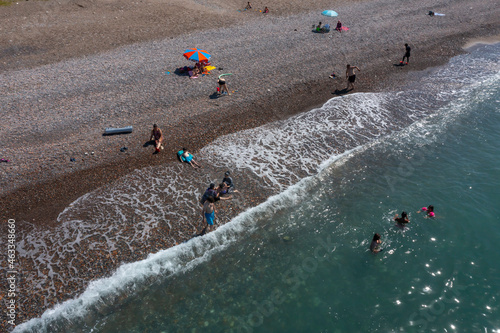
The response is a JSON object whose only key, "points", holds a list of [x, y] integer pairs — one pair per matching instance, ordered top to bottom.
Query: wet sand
{"points": [[40, 182]]}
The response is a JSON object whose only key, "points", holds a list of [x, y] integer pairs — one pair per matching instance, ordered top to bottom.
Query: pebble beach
{"points": [[68, 70]]}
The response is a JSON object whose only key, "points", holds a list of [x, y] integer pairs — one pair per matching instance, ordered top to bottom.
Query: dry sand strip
{"points": [[58, 111]]}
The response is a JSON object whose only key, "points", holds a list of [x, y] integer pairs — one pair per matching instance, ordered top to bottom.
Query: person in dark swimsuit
{"points": [[407, 55], [223, 87], [403, 219]]}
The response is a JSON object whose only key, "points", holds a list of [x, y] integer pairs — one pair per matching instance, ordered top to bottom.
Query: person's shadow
{"points": [[398, 64], [341, 92], [215, 95], [149, 143]]}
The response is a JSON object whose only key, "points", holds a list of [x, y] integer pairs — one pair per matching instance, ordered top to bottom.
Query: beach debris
{"points": [[121, 130], [123, 149], [92, 153], [3, 160], [72, 160], [287, 238]]}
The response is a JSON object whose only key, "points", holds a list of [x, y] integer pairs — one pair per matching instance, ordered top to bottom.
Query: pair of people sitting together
{"points": [[322, 29], [199, 68], [220, 192]]}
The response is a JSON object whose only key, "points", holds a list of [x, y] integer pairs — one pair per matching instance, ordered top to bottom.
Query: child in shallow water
{"points": [[429, 210]]}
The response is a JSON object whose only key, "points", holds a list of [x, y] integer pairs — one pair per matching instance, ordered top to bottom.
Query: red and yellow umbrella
{"points": [[196, 55]]}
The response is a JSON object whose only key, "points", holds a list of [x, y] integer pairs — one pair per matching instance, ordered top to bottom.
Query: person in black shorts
{"points": [[407, 55], [351, 76]]}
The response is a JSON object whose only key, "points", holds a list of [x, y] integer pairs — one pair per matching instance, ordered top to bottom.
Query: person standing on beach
{"points": [[249, 6], [407, 55], [351, 75], [157, 136], [209, 213]]}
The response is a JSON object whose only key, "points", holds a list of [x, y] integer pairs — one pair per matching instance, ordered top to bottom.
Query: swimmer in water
{"points": [[429, 210], [403, 219], [375, 244]]}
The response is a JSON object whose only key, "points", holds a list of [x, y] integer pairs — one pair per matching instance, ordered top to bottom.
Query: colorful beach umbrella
{"points": [[330, 13], [196, 55]]}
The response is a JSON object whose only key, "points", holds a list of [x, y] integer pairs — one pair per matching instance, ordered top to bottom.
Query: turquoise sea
{"points": [[300, 262]]}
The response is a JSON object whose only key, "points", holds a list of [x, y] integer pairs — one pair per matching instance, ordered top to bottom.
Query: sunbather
{"points": [[187, 157]]}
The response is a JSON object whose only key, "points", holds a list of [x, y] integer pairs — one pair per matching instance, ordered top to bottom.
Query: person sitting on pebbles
{"points": [[157, 136], [185, 156], [228, 181]]}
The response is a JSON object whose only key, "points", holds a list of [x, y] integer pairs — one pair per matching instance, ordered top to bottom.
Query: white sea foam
{"points": [[283, 154], [171, 261]]}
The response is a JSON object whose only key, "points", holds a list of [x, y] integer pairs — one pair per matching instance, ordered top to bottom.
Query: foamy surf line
{"points": [[282, 154], [175, 260]]}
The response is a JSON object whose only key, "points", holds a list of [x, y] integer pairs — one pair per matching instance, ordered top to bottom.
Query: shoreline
{"points": [[39, 203]]}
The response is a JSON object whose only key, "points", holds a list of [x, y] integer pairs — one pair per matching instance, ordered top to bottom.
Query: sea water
{"points": [[300, 262]]}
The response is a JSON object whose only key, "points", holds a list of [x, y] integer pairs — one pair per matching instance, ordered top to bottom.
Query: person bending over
{"points": [[375, 244]]}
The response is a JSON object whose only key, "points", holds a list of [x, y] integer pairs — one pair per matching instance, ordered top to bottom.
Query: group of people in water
{"points": [[213, 194], [401, 222]]}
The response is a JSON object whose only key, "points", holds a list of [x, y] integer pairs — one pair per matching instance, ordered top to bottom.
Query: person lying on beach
{"points": [[249, 6], [266, 10], [339, 26], [407, 55], [157, 137], [185, 156], [429, 210], [209, 213], [403, 219], [375, 244]]}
